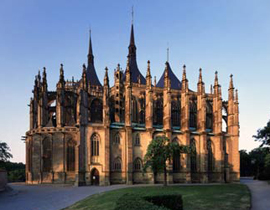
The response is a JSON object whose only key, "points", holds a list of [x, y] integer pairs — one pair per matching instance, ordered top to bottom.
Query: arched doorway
{"points": [[95, 177]]}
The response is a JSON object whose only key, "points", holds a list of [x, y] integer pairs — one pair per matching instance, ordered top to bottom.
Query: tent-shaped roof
{"points": [[175, 83]]}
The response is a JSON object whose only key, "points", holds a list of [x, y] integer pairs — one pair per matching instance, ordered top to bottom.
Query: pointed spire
{"points": [[132, 46], [90, 51], [148, 73], [128, 76], [184, 76], [200, 76], [106, 77], [61, 78], [84, 78], [216, 78], [44, 80], [155, 81], [231, 82], [211, 89], [236, 96]]}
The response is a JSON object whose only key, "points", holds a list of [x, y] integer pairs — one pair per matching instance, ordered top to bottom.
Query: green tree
{"points": [[263, 135], [159, 151], [5, 155], [245, 163]]}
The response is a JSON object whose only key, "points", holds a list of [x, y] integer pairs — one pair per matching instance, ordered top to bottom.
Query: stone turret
{"points": [[60, 99], [149, 99], [184, 102], [201, 104]]}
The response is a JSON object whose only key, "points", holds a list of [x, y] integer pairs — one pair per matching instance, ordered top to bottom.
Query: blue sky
{"points": [[230, 36]]}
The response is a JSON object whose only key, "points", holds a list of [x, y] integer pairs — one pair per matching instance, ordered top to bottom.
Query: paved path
{"points": [[260, 192], [47, 197]]}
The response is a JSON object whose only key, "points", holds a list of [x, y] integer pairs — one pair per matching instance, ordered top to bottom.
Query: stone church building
{"points": [[87, 133]]}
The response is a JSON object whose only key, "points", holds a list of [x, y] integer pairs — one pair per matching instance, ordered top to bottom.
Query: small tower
{"points": [[60, 89], [118, 95], [128, 96], [149, 99], [167, 99], [184, 102], [201, 104], [217, 107], [106, 108]]}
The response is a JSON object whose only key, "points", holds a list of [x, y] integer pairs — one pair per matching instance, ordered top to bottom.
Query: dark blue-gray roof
{"points": [[175, 83]]}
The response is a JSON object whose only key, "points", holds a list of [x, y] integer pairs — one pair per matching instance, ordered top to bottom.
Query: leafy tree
{"points": [[263, 135], [159, 151], [5, 155], [245, 163]]}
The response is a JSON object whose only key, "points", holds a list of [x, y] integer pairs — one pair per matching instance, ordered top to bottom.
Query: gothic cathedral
{"points": [[87, 133]]}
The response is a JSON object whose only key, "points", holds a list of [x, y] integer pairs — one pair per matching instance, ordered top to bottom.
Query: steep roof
{"points": [[133, 67], [91, 71], [175, 83]]}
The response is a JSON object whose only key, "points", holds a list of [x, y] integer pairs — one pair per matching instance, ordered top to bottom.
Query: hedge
{"points": [[159, 202]]}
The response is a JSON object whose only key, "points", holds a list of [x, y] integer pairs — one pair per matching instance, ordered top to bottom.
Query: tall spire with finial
{"points": [[90, 51], [134, 70], [91, 72]]}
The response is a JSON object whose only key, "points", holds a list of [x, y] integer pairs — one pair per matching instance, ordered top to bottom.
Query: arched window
{"points": [[134, 110], [96, 111], [142, 111], [158, 112], [175, 114], [193, 114], [209, 115], [117, 138], [137, 140], [95, 145], [47, 155], [71, 155], [193, 156], [210, 156], [176, 159], [138, 164], [117, 165]]}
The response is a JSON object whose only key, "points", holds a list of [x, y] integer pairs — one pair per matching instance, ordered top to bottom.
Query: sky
{"points": [[228, 36]]}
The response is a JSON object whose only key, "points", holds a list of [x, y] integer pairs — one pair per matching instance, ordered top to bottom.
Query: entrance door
{"points": [[95, 177]]}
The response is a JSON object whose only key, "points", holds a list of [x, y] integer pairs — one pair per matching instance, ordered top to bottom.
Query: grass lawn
{"points": [[212, 197]]}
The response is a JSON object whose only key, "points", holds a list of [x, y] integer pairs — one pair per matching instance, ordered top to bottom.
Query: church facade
{"points": [[87, 133]]}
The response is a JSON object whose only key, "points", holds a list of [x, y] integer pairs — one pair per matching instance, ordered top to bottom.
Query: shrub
{"points": [[16, 175], [169, 201], [160, 202]]}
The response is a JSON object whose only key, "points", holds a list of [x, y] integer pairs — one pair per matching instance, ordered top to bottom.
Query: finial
{"points": [[132, 14], [118, 66], [84, 67], [61, 69], [106, 69], [184, 72], [148, 73], [200, 75], [216, 78], [155, 81], [231, 82], [211, 89], [236, 95]]}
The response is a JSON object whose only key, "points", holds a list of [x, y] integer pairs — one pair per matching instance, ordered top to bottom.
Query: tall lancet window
{"points": [[134, 110], [96, 111], [142, 111], [158, 112], [175, 113], [193, 114], [209, 115], [95, 145], [47, 155], [70, 155], [193, 156], [210, 156], [176, 158]]}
